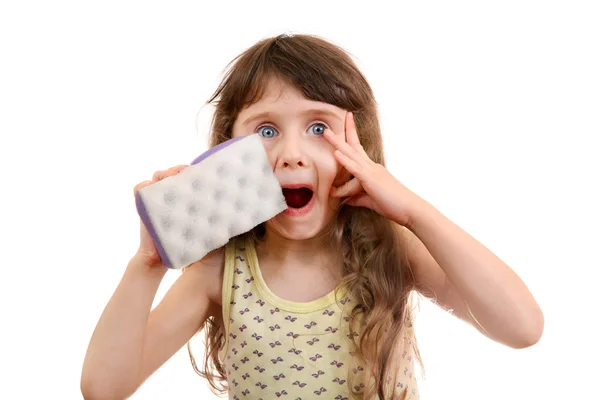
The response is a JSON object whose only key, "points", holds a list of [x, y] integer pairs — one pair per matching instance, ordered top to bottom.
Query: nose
{"points": [[291, 154]]}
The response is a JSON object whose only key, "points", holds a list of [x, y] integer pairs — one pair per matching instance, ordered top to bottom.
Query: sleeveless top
{"points": [[276, 348]]}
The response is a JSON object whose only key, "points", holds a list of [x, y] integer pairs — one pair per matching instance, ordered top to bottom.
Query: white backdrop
{"points": [[490, 111]]}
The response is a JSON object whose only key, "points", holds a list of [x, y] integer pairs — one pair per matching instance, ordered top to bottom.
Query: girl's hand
{"points": [[371, 186], [147, 253]]}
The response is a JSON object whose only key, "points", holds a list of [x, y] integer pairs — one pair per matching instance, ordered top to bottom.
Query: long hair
{"points": [[376, 271]]}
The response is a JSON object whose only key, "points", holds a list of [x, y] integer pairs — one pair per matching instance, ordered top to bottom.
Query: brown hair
{"points": [[376, 271]]}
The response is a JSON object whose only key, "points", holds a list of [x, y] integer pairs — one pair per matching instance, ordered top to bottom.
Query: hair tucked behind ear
{"points": [[376, 271]]}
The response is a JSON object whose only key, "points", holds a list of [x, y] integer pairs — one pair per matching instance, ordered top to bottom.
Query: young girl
{"points": [[315, 302]]}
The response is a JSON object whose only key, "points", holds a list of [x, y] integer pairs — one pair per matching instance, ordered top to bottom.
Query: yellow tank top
{"points": [[277, 348]]}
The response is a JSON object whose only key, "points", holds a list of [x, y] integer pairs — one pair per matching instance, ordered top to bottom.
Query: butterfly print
{"points": [[240, 258], [238, 271], [248, 280], [234, 286], [247, 295], [344, 301], [232, 302], [262, 303], [244, 311], [274, 311], [328, 313], [290, 318], [259, 319], [347, 319], [231, 320], [312, 323], [243, 327], [273, 327], [330, 329], [292, 334], [352, 334], [231, 335], [255, 336], [313, 341], [277, 343], [244, 344], [336, 347], [234, 351], [296, 352], [258, 353], [316, 357], [245, 360], [276, 360], [336, 363], [235, 367], [297, 367], [259, 369], [355, 370], [318, 373], [245, 376], [278, 377], [338, 380], [235, 383], [298, 383], [260, 385], [400, 385], [358, 387], [246, 392], [318, 392], [279, 394], [235, 397], [340, 397]]}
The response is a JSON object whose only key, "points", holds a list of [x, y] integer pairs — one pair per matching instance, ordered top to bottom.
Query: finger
{"points": [[351, 133], [340, 144], [347, 162], [175, 170], [158, 175], [140, 186], [348, 189], [361, 200]]}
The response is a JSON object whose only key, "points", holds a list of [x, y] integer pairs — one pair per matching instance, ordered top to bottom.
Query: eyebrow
{"points": [[312, 111]]}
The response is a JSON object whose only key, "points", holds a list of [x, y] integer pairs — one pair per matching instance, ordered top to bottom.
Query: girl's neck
{"points": [[313, 253]]}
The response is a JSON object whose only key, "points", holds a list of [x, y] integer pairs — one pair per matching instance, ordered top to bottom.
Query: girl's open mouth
{"points": [[299, 200]]}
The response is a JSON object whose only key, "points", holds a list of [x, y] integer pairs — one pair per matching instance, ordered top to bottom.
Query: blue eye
{"points": [[318, 128], [267, 131]]}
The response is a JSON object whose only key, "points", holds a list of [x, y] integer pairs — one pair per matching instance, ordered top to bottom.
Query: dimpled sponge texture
{"points": [[225, 192]]}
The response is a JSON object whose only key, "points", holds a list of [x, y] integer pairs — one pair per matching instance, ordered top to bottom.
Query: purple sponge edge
{"points": [[143, 212]]}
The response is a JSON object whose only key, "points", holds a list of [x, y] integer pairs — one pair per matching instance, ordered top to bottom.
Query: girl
{"points": [[315, 302]]}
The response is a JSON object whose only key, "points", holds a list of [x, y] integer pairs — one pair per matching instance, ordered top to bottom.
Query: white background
{"points": [[490, 111]]}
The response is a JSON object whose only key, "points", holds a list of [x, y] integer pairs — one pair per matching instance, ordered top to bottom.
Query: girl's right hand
{"points": [[147, 253]]}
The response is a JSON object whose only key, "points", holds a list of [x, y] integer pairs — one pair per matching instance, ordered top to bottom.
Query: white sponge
{"points": [[225, 192]]}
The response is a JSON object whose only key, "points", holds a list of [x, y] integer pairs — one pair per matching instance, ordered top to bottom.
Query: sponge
{"points": [[225, 192]]}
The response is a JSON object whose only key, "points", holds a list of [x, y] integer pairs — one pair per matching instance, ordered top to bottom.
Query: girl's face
{"points": [[292, 131]]}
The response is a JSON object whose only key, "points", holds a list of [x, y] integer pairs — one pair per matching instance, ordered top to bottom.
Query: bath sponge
{"points": [[224, 192]]}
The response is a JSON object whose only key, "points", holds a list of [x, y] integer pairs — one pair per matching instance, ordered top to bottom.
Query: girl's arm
{"points": [[461, 275], [130, 342]]}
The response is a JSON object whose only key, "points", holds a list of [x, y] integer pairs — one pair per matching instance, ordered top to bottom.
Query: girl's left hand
{"points": [[372, 185]]}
